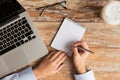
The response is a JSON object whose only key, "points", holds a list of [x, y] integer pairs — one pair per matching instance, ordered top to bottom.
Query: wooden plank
{"points": [[78, 10], [98, 35], [102, 39], [106, 66]]}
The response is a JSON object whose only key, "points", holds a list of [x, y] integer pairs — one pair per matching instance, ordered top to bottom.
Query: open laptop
{"points": [[20, 43]]}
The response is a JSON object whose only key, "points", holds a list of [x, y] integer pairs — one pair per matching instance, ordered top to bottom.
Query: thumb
{"points": [[75, 50], [86, 54]]}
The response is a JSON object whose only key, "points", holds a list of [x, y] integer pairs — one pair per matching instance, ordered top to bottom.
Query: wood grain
{"points": [[78, 10], [102, 38]]}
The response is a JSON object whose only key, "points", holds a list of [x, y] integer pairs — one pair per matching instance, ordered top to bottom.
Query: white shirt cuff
{"points": [[27, 74], [86, 76]]}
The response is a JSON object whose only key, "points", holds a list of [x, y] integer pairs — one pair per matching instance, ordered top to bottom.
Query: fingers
{"points": [[81, 44], [84, 45], [75, 50], [50, 54], [55, 55], [58, 58], [61, 58], [60, 67]]}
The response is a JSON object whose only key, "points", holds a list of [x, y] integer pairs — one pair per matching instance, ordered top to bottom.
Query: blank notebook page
{"points": [[69, 33]]}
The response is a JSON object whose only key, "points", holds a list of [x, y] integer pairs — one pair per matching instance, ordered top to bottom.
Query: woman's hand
{"points": [[79, 56], [51, 64]]}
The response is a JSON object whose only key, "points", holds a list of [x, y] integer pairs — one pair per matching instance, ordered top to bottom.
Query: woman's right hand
{"points": [[80, 56]]}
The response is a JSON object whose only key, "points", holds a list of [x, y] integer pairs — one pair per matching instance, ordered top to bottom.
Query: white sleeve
{"points": [[26, 74], [86, 76]]}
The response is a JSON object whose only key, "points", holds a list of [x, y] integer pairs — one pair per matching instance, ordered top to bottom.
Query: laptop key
{"points": [[23, 18], [19, 20], [24, 21], [11, 24], [19, 24], [27, 25], [8, 26], [15, 26], [23, 27], [4, 28], [12, 28], [19, 28], [26, 29], [0, 30], [8, 30], [16, 30], [5, 32], [12, 32], [22, 32], [18, 33], [29, 33], [1, 34], [8, 34], [15, 35], [5, 36], [22, 36], [11, 37], [33, 37], [1, 38], [19, 38], [29, 38], [8, 39], [15, 40], [26, 40], [4, 41], [11, 42], [22, 42], [1, 43], [18, 43], [8, 44], [4, 45], [1, 47], [7, 49]]}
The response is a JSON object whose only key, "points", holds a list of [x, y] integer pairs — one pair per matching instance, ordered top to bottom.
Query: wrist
{"points": [[81, 69], [37, 74]]}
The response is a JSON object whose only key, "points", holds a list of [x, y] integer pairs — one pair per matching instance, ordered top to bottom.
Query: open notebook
{"points": [[69, 33]]}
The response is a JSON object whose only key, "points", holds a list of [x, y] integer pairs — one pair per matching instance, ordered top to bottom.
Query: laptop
{"points": [[20, 42]]}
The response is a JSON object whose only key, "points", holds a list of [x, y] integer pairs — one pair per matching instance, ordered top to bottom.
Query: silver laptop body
{"points": [[20, 42]]}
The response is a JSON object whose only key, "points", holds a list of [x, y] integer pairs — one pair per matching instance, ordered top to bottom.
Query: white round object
{"points": [[111, 13]]}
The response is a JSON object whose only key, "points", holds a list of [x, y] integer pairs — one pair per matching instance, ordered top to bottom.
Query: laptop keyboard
{"points": [[14, 35]]}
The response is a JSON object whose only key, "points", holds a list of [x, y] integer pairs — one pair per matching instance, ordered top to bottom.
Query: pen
{"points": [[81, 48]]}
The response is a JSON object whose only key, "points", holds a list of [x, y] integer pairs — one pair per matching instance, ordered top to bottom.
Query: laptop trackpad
{"points": [[15, 60]]}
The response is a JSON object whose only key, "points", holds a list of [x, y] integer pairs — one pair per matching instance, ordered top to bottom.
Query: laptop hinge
{"points": [[9, 20]]}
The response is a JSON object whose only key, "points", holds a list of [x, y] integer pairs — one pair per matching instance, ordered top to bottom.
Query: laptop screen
{"points": [[9, 8]]}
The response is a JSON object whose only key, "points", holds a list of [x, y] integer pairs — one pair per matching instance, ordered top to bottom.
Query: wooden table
{"points": [[102, 38]]}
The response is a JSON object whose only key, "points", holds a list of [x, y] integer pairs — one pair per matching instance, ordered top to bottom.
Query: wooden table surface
{"points": [[102, 38]]}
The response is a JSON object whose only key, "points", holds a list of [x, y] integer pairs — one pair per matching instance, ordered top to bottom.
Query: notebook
{"points": [[68, 33]]}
